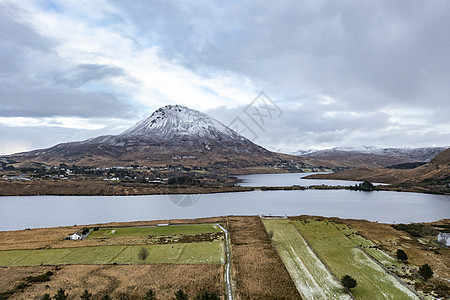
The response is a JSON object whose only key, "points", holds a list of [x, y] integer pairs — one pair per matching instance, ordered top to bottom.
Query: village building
{"points": [[74, 236], [444, 238]]}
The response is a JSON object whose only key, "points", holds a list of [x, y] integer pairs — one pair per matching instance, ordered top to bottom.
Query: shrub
{"points": [[416, 230], [143, 254], [401, 255], [425, 271], [349, 282], [60, 295], [86, 295], [150, 295], [180, 295], [205, 295], [46, 297]]}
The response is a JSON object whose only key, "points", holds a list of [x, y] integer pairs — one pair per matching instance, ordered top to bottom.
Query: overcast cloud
{"points": [[344, 73]]}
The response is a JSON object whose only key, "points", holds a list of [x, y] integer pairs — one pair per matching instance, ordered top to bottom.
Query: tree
{"points": [[367, 186], [143, 254], [401, 255], [425, 271], [349, 282], [60, 295], [86, 295], [150, 295], [180, 295], [205, 295], [46, 297]]}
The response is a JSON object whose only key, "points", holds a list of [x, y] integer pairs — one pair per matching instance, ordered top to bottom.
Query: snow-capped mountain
{"points": [[176, 121], [176, 124], [172, 132], [418, 154], [370, 156]]}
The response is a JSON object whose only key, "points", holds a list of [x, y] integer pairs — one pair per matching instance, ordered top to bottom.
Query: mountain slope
{"points": [[171, 134], [370, 157], [437, 170]]}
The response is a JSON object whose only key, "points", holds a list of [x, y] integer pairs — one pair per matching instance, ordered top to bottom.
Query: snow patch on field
{"points": [[311, 277]]}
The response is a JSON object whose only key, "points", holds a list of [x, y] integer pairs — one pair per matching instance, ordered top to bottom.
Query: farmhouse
{"points": [[74, 236], [444, 238]]}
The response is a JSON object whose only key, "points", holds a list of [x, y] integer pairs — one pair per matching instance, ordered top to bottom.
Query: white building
{"points": [[75, 236], [444, 238]]}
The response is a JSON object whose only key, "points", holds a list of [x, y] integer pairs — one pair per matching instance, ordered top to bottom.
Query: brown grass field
{"points": [[46, 238], [391, 239], [258, 271], [119, 281]]}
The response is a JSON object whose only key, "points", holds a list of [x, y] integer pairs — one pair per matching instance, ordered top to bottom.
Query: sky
{"points": [[332, 73]]}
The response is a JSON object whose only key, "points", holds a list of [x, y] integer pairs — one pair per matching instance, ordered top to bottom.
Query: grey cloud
{"points": [[18, 41], [381, 51], [85, 73], [36, 82], [37, 101], [313, 127]]}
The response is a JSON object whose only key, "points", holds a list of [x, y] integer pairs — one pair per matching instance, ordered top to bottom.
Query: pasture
{"points": [[191, 229], [338, 246], [178, 253], [309, 274]]}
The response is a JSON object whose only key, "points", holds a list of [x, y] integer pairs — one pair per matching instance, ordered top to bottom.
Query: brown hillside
{"points": [[437, 169]]}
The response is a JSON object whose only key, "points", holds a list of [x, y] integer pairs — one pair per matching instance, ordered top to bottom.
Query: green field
{"points": [[154, 231], [336, 245], [179, 253], [309, 274]]}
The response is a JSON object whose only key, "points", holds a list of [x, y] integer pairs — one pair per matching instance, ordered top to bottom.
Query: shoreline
{"points": [[93, 188]]}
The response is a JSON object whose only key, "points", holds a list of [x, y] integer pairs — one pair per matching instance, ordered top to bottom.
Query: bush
{"points": [[365, 186], [416, 230], [143, 254], [401, 255], [425, 271], [39, 278], [349, 282], [60, 295], [86, 295], [150, 295], [180, 295], [205, 295], [46, 297]]}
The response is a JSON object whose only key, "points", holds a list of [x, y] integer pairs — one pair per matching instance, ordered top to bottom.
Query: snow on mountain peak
{"points": [[176, 121]]}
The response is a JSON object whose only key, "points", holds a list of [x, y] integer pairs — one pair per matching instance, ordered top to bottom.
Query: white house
{"points": [[74, 236], [444, 238]]}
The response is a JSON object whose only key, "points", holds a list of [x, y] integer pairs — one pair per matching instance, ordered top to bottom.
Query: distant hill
{"points": [[370, 157], [436, 171]]}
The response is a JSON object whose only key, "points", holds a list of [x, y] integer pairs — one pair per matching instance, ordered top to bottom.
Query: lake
{"points": [[289, 179], [382, 206]]}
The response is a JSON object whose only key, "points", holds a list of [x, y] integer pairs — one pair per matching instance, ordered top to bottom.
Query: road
{"points": [[228, 284]]}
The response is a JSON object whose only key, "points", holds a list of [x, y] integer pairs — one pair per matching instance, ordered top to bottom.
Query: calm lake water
{"points": [[289, 179], [389, 207]]}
